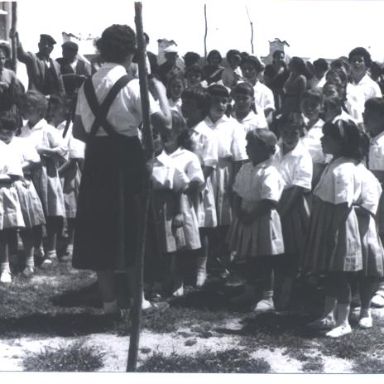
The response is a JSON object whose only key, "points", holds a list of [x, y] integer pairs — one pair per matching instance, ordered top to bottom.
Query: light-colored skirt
{"points": [[222, 178], [49, 188], [30, 203], [206, 206], [11, 215], [190, 225], [295, 227], [263, 237], [333, 242]]}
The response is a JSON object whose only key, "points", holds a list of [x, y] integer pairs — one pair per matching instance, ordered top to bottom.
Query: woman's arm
{"points": [[162, 119]]}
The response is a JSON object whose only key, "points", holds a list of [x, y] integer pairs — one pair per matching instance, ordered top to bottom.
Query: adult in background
{"points": [[170, 66], [320, 68], [73, 69], [213, 69], [43, 72], [109, 207]]}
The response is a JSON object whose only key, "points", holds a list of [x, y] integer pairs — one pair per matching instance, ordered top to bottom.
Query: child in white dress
{"points": [[175, 88], [195, 107], [244, 109], [48, 143], [177, 146], [25, 153], [295, 165], [11, 217], [255, 234], [337, 237]]}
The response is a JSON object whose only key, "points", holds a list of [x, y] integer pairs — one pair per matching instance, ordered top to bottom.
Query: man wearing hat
{"points": [[170, 66], [73, 69], [43, 72]]}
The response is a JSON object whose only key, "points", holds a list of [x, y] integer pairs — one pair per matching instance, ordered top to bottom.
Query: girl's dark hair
{"points": [[116, 43], [360, 51], [212, 53], [232, 53], [191, 58], [254, 61], [299, 64], [321, 64], [245, 89], [217, 90], [313, 95], [200, 96], [36, 100], [376, 105], [291, 120], [8, 121], [264, 136], [184, 139], [354, 142]]}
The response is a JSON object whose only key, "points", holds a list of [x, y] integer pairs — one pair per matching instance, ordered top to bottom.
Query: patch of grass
{"points": [[73, 358], [229, 361], [369, 364], [313, 365]]}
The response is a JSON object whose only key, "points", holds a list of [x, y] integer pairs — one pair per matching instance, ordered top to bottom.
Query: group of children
{"points": [[40, 176], [269, 196]]}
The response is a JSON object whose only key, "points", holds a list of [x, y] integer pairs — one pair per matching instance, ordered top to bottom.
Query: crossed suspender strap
{"points": [[101, 110]]}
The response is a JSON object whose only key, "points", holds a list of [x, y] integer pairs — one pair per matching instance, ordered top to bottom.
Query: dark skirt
{"points": [[109, 206]]}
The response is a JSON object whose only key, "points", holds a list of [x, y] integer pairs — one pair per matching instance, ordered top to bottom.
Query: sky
{"points": [[313, 28]]}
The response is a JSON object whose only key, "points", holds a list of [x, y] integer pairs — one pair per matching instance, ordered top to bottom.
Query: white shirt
{"points": [[359, 93], [263, 97], [175, 105], [125, 114], [252, 121], [230, 137], [312, 141], [205, 145], [75, 147], [376, 153], [10, 161], [189, 163], [295, 167], [165, 174], [340, 182], [254, 183], [370, 189]]}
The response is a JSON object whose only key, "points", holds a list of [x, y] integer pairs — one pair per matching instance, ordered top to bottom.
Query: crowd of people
{"points": [[273, 172]]}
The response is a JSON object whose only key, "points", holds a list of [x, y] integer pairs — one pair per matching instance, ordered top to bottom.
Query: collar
{"points": [[364, 80], [251, 115], [39, 125], [213, 125], [375, 139], [295, 152], [163, 158], [263, 164]]}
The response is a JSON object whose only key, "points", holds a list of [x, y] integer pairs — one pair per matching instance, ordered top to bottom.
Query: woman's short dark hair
{"points": [[116, 43], [360, 51], [214, 52], [191, 58], [321, 64], [299, 65], [8, 121], [354, 142]]}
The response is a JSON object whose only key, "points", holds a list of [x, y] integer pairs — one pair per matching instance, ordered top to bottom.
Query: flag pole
{"points": [[206, 31], [13, 38], [136, 314]]}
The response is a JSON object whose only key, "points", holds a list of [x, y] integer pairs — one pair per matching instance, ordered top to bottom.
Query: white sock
{"points": [[30, 262], [4, 267], [110, 306]]}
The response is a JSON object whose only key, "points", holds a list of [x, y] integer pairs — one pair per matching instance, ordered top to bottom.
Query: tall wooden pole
{"points": [[251, 24], [206, 30], [14, 39], [148, 145]]}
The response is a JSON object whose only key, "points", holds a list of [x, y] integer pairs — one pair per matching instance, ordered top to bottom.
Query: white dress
{"points": [[252, 121], [187, 162], [263, 237]]}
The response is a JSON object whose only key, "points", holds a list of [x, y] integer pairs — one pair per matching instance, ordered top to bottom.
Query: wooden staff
{"points": [[251, 23], [206, 31], [13, 38], [148, 146]]}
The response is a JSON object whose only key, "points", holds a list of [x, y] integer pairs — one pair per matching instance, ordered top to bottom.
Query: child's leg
{"points": [[54, 225], [27, 236], [71, 239], [38, 241], [201, 259], [5, 271], [265, 275], [342, 283], [367, 287]]}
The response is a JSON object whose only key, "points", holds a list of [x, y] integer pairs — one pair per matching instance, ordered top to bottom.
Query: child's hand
{"points": [[178, 221]]}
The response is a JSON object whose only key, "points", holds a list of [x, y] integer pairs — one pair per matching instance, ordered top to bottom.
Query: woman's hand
{"points": [[178, 221]]}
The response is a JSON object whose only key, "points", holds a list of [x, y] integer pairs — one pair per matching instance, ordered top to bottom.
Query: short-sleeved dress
{"points": [[252, 121], [231, 141], [204, 145], [187, 162], [296, 170], [46, 178], [168, 183], [31, 207], [11, 215], [263, 237], [334, 242], [373, 252]]}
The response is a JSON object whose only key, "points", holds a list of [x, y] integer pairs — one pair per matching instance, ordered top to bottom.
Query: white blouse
{"points": [[252, 121], [204, 145]]}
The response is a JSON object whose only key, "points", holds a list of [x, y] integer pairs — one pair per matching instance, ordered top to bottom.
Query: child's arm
{"points": [[207, 171], [289, 199], [178, 220]]}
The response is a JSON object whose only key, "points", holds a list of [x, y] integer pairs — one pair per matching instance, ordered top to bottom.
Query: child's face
{"points": [[215, 59], [234, 61], [358, 65], [249, 71], [194, 78], [176, 89], [243, 103], [218, 107], [311, 109], [190, 110], [330, 111], [29, 112], [373, 122], [6, 135], [290, 136], [330, 145], [256, 151]]}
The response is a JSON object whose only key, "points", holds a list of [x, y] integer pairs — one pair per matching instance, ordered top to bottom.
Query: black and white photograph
{"points": [[192, 186]]}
